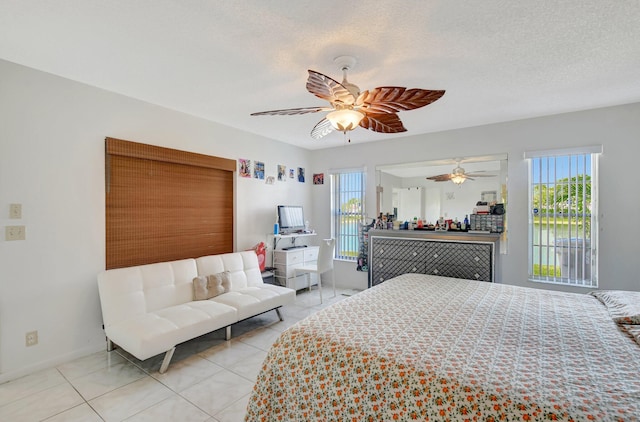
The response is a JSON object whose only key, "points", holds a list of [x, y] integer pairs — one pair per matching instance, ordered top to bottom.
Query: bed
{"points": [[423, 347]]}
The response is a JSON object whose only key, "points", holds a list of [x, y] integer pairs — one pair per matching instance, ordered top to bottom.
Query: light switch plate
{"points": [[15, 211], [14, 233], [31, 338]]}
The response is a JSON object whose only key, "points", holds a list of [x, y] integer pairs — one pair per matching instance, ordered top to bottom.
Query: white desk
{"points": [[282, 241], [287, 255], [285, 261]]}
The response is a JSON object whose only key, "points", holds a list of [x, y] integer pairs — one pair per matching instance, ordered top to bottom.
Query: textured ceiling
{"points": [[498, 60]]}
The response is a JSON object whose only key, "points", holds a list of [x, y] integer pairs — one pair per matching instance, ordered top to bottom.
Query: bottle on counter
{"points": [[466, 222]]}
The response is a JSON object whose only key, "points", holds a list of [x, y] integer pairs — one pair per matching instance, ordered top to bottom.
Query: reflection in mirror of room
{"points": [[405, 192]]}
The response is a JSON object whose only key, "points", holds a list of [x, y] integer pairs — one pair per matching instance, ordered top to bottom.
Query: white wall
{"points": [[616, 128], [52, 134]]}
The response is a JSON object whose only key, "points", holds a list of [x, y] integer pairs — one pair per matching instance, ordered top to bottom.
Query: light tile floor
{"points": [[209, 379]]}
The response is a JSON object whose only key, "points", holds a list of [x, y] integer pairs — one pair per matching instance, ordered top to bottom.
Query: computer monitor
{"points": [[290, 218]]}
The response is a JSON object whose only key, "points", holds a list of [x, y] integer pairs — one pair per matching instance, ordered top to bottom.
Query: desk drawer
{"points": [[310, 255], [288, 258]]}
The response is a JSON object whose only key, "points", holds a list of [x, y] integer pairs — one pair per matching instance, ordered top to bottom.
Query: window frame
{"points": [[347, 244], [573, 255]]}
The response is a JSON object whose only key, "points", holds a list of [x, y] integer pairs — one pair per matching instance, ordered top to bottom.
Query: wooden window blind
{"points": [[164, 204]]}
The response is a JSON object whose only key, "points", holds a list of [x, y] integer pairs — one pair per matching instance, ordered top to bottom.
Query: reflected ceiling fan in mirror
{"points": [[349, 108], [458, 175]]}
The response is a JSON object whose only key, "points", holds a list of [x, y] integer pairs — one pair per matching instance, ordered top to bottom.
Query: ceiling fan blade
{"points": [[328, 89], [391, 99], [292, 111], [383, 123], [321, 129], [479, 175], [440, 178]]}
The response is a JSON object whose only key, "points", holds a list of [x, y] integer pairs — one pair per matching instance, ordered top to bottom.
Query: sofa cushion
{"points": [[243, 267], [252, 268], [168, 283], [206, 287], [201, 288], [134, 291], [286, 294], [253, 300], [246, 305], [156, 332]]}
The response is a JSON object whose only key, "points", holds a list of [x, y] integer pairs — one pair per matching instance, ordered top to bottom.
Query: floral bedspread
{"points": [[430, 348]]}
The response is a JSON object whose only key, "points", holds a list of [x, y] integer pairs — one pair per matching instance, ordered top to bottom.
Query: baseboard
{"points": [[350, 292], [51, 363]]}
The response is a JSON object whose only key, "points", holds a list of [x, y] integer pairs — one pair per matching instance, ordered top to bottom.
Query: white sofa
{"points": [[149, 309]]}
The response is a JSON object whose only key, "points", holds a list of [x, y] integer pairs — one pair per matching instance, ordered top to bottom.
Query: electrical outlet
{"points": [[15, 211], [14, 233], [31, 338]]}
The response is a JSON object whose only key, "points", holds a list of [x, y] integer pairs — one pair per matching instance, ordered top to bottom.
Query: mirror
{"points": [[404, 190]]}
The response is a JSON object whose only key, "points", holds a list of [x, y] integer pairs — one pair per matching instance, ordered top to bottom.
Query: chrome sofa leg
{"points": [[279, 314], [227, 335], [110, 345], [166, 360]]}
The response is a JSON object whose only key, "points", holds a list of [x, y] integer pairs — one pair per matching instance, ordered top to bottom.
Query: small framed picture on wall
{"points": [[244, 167], [258, 170], [282, 173]]}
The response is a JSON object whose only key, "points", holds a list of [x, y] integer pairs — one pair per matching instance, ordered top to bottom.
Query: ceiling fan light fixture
{"points": [[345, 120], [458, 179]]}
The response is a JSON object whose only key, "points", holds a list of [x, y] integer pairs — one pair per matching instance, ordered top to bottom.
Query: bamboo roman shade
{"points": [[164, 204]]}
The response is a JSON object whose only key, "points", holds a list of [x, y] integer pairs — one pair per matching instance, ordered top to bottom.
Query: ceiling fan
{"points": [[349, 108], [458, 175]]}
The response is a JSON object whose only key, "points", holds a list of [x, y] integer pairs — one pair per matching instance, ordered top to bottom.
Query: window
{"points": [[347, 210], [562, 221]]}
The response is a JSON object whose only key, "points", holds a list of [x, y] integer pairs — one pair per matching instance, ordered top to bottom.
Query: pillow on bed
{"points": [[206, 287], [623, 306], [633, 331]]}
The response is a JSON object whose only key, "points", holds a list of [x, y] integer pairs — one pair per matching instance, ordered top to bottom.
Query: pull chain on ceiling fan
{"points": [[375, 110], [347, 118]]}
